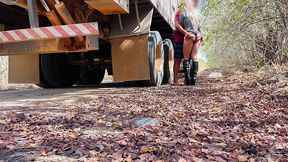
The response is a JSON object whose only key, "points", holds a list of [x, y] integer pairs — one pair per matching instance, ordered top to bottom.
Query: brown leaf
{"points": [[3, 122], [72, 134], [32, 145], [148, 149], [205, 151], [44, 152], [242, 158], [128, 159], [195, 159], [182, 160], [251, 160]]}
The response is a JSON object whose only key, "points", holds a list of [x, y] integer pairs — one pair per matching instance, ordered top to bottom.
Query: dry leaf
{"points": [[72, 134], [32, 145], [279, 146], [148, 149], [44, 152], [242, 158], [128, 159], [269, 159], [182, 160], [251, 160]]}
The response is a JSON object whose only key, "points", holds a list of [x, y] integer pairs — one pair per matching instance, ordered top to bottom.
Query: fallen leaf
{"points": [[3, 122], [109, 124], [278, 126], [72, 134], [192, 140], [122, 143], [221, 144], [32, 145], [279, 146], [148, 149], [205, 151], [44, 152], [242, 158], [128, 159], [195, 159], [219, 159], [269, 159], [182, 160], [251, 160]]}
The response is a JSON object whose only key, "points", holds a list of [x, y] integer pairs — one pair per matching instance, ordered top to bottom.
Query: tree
{"points": [[247, 31]]}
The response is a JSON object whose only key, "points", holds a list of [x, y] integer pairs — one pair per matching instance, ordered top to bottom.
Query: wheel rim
{"points": [[171, 61], [158, 62]]}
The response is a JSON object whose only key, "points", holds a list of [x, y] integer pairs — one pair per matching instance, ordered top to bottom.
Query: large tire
{"points": [[156, 59], [168, 61], [56, 71], [92, 75], [43, 82]]}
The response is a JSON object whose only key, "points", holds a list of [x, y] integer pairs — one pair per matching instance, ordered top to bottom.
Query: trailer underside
{"points": [[118, 36]]}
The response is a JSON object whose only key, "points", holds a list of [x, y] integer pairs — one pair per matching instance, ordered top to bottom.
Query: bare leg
{"points": [[187, 48], [196, 49], [177, 63], [195, 65]]}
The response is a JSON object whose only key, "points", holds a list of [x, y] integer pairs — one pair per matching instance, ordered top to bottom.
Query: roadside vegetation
{"points": [[241, 33]]}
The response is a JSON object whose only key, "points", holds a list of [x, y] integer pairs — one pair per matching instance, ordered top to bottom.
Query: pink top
{"points": [[178, 37]]}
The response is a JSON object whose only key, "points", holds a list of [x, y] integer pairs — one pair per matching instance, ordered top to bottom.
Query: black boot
{"points": [[186, 67], [193, 72]]}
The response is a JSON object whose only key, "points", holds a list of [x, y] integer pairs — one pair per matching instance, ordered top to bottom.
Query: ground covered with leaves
{"points": [[237, 117]]}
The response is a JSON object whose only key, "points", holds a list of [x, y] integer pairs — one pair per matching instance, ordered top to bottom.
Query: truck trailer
{"points": [[58, 43]]}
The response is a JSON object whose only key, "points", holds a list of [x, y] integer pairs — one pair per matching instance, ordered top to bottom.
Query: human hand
{"points": [[189, 35], [199, 37]]}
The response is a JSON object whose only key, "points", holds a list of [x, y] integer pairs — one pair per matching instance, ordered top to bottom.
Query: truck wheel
{"points": [[156, 59], [168, 61], [56, 71], [92, 74], [43, 82]]}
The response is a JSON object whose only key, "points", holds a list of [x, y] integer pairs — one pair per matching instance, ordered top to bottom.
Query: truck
{"points": [[60, 43]]}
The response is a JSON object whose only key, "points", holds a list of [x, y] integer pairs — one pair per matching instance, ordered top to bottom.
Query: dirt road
{"points": [[229, 118]]}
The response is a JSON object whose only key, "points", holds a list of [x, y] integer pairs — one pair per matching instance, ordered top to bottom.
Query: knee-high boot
{"points": [[186, 67], [193, 72]]}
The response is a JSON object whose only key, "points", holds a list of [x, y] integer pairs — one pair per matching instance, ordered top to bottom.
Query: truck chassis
{"points": [[129, 39]]}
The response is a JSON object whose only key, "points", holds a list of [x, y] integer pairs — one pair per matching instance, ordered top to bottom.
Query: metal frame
{"points": [[110, 7], [137, 13], [33, 15], [120, 22], [50, 32], [46, 47]]}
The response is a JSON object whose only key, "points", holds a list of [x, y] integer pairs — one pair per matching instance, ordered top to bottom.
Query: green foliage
{"points": [[246, 32]]}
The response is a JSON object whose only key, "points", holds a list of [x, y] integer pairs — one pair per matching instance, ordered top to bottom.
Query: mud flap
{"points": [[130, 58], [24, 69]]}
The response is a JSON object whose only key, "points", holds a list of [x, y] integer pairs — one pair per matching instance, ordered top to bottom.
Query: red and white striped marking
{"points": [[63, 31]]}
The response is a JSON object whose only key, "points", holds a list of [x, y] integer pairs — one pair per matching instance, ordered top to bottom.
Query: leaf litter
{"points": [[231, 120]]}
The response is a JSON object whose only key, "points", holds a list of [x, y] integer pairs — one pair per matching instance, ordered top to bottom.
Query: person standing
{"points": [[187, 23], [178, 46]]}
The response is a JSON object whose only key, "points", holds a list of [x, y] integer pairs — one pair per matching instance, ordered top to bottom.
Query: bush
{"points": [[246, 32]]}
